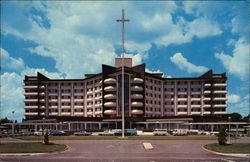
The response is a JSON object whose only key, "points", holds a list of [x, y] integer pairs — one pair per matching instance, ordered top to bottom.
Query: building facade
{"points": [[98, 97]]}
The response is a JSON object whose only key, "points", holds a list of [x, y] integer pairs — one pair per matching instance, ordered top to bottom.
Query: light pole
{"points": [[13, 129], [229, 140]]}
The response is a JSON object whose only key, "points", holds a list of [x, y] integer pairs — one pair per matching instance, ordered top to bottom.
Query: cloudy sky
{"points": [[68, 39]]}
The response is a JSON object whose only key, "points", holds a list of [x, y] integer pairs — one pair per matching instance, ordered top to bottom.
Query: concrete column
{"points": [[85, 125], [146, 125], [161, 125], [56, 126], [69, 126], [100, 126], [35, 127], [13, 128], [212, 128], [237, 129]]}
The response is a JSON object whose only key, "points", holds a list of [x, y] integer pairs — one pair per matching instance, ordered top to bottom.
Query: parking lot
{"points": [[112, 151]]}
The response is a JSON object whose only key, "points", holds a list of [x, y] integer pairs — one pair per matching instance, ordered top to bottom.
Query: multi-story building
{"points": [[146, 95]]}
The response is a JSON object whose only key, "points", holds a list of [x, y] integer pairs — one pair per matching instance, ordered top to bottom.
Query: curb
{"points": [[33, 154], [225, 154]]}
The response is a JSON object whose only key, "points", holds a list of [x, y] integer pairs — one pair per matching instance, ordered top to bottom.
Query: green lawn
{"points": [[40, 138], [32, 147], [235, 148]]}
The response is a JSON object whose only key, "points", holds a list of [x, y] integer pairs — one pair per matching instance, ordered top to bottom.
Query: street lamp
{"points": [[229, 140]]}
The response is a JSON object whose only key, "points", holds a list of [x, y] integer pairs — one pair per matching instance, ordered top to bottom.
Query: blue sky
{"points": [[69, 39]]}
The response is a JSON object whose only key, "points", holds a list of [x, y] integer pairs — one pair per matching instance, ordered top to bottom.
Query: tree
{"points": [[235, 117], [247, 118], [46, 137], [222, 140]]}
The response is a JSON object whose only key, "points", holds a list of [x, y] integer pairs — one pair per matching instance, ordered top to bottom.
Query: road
{"points": [[126, 151]]}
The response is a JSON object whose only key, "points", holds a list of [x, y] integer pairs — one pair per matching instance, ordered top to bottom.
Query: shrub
{"points": [[46, 137], [222, 140]]}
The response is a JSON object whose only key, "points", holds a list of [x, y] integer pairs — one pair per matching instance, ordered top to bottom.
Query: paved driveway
{"points": [[116, 151]]}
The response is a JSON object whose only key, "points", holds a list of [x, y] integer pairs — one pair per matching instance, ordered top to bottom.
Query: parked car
{"points": [[130, 132], [160, 132], [180, 132], [27, 133], [38, 133], [58, 133], [82, 133], [107, 133]]}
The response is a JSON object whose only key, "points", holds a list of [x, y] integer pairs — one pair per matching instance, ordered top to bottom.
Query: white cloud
{"points": [[132, 46], [136, 58], [9, 62], [237, 63], [185, 65], [157, 71], [11, 95], [233, 98]]}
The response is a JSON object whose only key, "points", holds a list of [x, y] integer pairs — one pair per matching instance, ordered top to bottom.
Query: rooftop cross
{"points": [[122, 20]]}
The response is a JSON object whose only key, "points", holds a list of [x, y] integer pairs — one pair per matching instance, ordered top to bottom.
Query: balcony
{"points": [[136, 80], [110, 81], [220, 84], [182, 85], [195, 85], [207, 85], [168, 86], [30, 87], [42, 87], [52, 87], [65, 87], [78, 87], [136, 88], [110, 89], [98, 90], [89, 92], [182, 92], [196, 92], [207, 92], [220, 92], [30, 93], [42, 93], [65, 93], [78, 93], [53, 94], [110, 96], [136, 96], [90, 99], [169, 99], [181, 99], [195, 99], [206, 99], [220, 99], [30, 100], [42, 100], [53, 100], [65, 100], [78, 100], [110, 104], [136, 104], [98, 105], [220, 105], [78, 106], [90, 106], [182, 106], [195, 106], [207, 106], [30, 107], [42, 107], [53, 107], [65, 107], [98, 112], [110, 112], [136, 112], [148, 112], [206, 112], [220, 112], [31, 113], [42, 113], [66, 113], [78, 113], [168, 113], [182, 113], [195, 113], [53, 114]]}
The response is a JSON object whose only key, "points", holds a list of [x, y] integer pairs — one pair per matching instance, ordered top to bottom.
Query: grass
{"points": [[39, 138], [31, 147], [235, 148]]}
